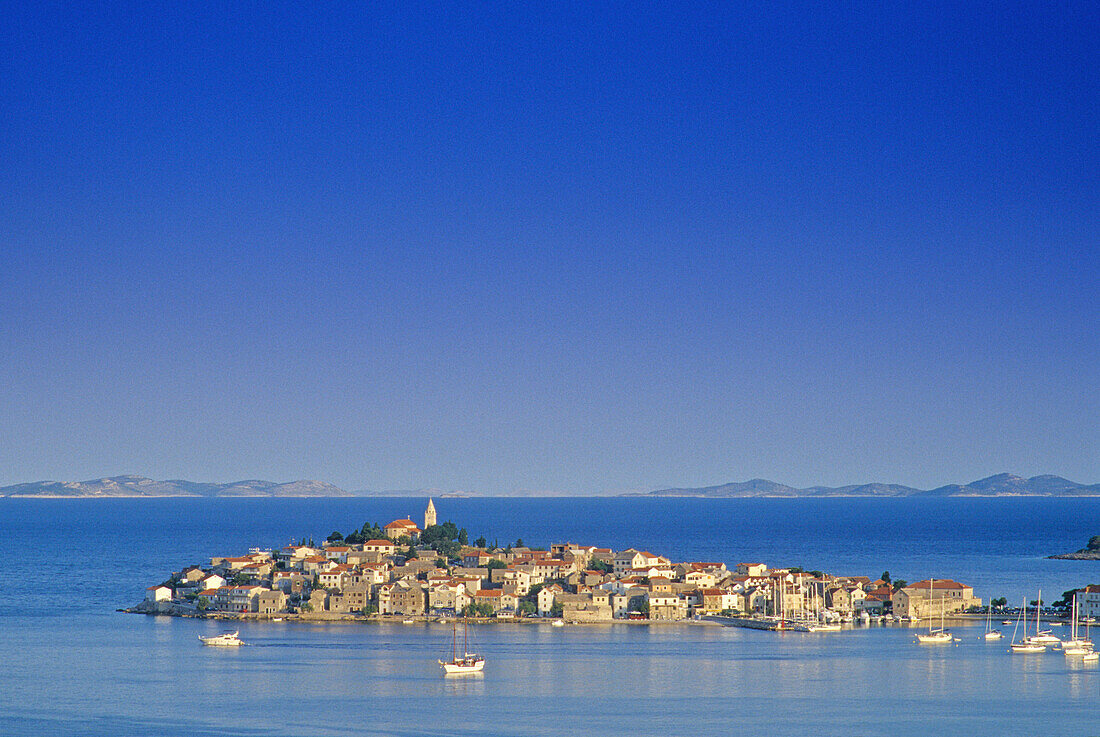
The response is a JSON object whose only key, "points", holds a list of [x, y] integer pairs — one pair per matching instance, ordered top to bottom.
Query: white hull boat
{"points": [[991, 635], [936, 636], [226, 639], [1025, 645], [1076, 645], [1026, 648], [465, 663], [470, 664]]}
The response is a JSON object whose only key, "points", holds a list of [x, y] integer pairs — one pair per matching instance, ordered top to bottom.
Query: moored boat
{"points": [[991, 634], [938, 636], [1025, 645], [1076, 645], [466, 663]]}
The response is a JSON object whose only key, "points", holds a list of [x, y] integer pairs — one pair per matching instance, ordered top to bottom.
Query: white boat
{"points": [[557, 623], [991, 635], [938, 636], [1044, 637], [225, 639], [1025, 645], [1076, 645], [1026, 648], [1090, 657], [466, 663]]}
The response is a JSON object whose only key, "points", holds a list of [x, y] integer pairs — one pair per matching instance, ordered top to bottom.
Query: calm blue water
{"points": [[71, 665]]}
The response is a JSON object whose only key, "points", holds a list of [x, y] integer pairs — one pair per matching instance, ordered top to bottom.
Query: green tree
{"points": [[336, 536], [463, 537], [480, 542], [519, 542], [410, 553], [494, 563], [599, 565], [885, 576], [900, 584], [202, 604], [527, 608], [556, 609], [478, 610]]}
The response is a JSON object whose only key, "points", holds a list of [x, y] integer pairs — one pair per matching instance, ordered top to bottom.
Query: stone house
{"points": [[403, 597], [927, 599], [271, 602]]}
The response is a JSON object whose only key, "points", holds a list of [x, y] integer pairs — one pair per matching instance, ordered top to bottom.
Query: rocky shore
{"points": [[1089, 552]]}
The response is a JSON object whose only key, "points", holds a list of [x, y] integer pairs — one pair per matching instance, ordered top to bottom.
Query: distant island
{"points": [[1000, 485], [145, 488], [1089, 552]]}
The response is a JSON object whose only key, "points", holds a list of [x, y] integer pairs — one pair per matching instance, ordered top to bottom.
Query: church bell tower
{"points": [[429, 514]]}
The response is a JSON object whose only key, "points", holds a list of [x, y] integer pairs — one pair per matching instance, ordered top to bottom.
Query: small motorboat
{"points": [[557, 623], [225, 639]]}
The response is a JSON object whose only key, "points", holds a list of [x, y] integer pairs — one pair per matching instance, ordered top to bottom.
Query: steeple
{"points": [[429, 514]]}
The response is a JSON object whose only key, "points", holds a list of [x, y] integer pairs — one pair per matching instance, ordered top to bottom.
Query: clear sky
{"points": [[579, 248]]}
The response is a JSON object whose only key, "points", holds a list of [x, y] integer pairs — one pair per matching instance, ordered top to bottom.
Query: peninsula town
{"points": [[406, 571]]}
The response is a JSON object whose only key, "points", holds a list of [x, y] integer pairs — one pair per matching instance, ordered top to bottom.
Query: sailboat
{"points": [[821, 621], [990, 633], [935, 636], [1044, 637], [1025, 645], [1077, 645], [468, 662]]}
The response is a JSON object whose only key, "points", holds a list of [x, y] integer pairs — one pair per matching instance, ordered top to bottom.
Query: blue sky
{"points": [[586, 248]]}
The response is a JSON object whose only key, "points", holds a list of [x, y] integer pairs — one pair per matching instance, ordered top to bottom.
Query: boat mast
{"points": [[931, 598]]}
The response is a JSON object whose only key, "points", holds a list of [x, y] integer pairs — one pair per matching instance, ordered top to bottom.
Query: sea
{"points": [[71, 664]]}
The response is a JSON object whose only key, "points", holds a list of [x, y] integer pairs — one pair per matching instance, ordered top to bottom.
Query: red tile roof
{"points": [[939, 583]]}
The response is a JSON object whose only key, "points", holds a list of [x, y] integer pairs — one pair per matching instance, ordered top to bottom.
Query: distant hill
{"points": [[1000, 485], [142, 487]]}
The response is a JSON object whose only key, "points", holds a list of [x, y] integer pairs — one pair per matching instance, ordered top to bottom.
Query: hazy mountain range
{"points": [[1001, 485], [139, 486]]}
